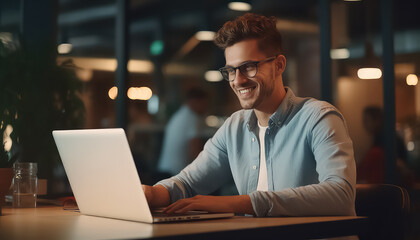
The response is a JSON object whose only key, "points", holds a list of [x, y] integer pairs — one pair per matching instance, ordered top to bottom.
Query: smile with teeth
{"points": [[247, 90]]}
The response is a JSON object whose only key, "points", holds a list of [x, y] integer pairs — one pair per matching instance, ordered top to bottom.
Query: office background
{"points": [[64, 64]]}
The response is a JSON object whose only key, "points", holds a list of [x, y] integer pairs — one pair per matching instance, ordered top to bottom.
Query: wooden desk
{"points": [[55, 223]]}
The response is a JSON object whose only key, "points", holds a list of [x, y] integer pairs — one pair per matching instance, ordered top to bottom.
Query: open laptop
{"points": [[104, 178]]}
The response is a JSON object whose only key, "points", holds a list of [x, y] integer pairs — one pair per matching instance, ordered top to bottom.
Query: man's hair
{"points": [[251, 26]]}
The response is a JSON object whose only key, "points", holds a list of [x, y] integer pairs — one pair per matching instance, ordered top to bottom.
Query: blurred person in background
{"points": [[182, 142], [371, 169]]}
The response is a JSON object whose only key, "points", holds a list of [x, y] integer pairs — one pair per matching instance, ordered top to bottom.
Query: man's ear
{"points": [[280, 63]]}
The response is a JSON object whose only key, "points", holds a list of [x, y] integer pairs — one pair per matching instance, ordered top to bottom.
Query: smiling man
{"points": [[288, 156]]}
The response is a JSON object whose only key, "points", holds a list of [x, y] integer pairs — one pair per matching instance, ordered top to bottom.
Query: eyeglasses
{"points": [[248, 69]]}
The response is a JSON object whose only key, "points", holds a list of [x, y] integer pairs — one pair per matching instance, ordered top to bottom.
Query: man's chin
{"points": [[246, 105]]}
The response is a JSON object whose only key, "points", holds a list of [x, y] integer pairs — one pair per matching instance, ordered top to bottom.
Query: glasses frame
{"points": [[255, 63]]}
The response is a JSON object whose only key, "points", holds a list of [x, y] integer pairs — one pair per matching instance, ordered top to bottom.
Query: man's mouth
{"points": [[246, 90]]}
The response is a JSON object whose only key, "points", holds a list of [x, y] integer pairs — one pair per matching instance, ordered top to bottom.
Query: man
{"points": [[182, 143], [288, 156]]}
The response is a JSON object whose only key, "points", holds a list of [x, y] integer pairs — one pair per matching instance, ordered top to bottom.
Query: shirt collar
{"points": [[279, 116]]}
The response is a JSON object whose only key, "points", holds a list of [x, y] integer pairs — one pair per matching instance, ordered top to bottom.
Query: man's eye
{"points": [[247, 67], [230, 70]]}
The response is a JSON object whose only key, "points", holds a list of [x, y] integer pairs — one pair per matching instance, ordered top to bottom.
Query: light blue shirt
{"points": [[309, 156]]}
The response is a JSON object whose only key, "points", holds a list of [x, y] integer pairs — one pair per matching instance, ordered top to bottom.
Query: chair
{"points": [[386, 206]]}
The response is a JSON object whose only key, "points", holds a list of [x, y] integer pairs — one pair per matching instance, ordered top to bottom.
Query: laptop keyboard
{"points": [[162, 214]]}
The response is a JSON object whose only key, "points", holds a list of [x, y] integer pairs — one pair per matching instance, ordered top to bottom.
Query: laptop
{"points": [[104, 178]]}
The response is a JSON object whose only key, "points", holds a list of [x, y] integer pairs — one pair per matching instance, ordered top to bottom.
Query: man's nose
{"points": [[239, 78]]}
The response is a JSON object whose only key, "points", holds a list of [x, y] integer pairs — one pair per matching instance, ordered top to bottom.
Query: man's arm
{"points": [[157, 196], [213, 204]]}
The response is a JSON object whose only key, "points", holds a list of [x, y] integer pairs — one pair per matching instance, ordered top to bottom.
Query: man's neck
{"points": [[263, 114], [262, 117]]}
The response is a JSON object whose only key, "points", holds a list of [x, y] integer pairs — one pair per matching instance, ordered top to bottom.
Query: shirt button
{"points": [[253, 139], [254, 167]]}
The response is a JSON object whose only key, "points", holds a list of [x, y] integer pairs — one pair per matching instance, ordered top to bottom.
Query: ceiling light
{"points": [[239, 6], [205, 35], [64, 48], [339, 53], [110, 64], [370, 64], [140, 66], [369, 73], [213, 76], [412, 79], [113, 92], [141, 93], [410, 146]]}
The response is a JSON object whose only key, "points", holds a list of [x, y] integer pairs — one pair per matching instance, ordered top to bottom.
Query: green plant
{"points": [[36, 97]]}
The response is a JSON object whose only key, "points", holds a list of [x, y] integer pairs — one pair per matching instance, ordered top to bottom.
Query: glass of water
{"points": [[25, 184]]}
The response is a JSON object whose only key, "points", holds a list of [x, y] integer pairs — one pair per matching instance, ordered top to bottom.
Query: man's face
{"points": [[256, 92]]}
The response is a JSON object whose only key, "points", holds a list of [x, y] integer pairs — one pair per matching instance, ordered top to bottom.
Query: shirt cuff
{"points": [[175, 188], [259, 204]]}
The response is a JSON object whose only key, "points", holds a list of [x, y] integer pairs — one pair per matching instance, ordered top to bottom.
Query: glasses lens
{"points": [[249, 69], [225, 73], [228, 73]]}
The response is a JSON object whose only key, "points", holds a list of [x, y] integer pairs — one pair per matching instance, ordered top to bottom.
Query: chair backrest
{"points": [[387, 207]]}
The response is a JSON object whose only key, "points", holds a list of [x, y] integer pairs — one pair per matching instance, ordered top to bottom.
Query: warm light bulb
{"points": [[240, 6], [205, 35], [64, 48], [339, 53], [141, 66], [369, 73], [213, 76], [412, 79], [113, 92], [131, 93], [141, 93], [145, 93], [410, 146]]}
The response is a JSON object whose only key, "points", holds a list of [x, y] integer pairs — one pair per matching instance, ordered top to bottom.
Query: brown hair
{"points": [[251, 26]]}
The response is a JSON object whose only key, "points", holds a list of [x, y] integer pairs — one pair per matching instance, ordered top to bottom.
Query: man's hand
{"points": [[157, 196], [213, 204]]}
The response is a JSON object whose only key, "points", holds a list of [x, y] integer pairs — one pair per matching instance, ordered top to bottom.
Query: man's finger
{"points": [[177, 205], [190, 207]]}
